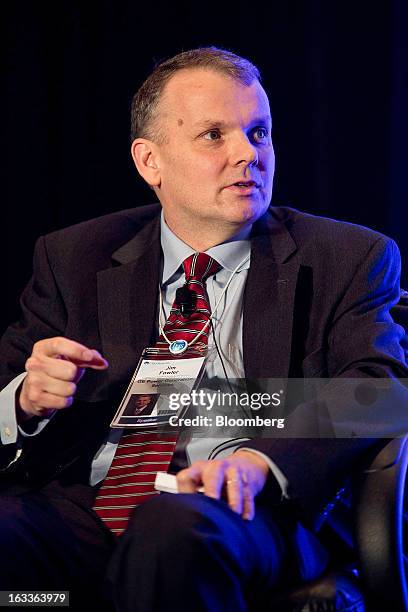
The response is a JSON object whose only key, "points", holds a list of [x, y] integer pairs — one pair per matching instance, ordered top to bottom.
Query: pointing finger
{"points": [[75, 352], [96, 362]]}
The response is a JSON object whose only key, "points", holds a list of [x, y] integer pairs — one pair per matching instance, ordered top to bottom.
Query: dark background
{"points": [[336, 73]]}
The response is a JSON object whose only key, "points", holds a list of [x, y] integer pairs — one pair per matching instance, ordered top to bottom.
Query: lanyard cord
{"points": [[161, 307]]}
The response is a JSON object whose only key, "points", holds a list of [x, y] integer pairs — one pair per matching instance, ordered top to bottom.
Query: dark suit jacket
{"points": [[316, 303]]}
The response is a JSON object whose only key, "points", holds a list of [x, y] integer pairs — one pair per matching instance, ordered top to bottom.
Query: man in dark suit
{"points": [[316, 302]]}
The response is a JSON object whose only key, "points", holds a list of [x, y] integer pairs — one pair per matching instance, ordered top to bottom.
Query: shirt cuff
{"points": [[8, 420], [9, 429], [279, 476]]}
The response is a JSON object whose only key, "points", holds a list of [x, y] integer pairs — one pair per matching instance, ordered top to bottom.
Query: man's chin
{"points": [[245, 213]]}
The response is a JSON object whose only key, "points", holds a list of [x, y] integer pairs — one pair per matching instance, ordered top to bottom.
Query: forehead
{"points": [[200, 94]]}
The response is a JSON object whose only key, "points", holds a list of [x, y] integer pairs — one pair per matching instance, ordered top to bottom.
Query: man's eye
{"points": [[260, 133], [212, 135]]}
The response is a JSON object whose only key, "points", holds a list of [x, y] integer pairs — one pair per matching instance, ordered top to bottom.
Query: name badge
{"points": [[147, 400]]}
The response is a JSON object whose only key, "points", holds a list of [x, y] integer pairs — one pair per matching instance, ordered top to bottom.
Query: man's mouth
{"points": [[245, 184], [244, 187]]}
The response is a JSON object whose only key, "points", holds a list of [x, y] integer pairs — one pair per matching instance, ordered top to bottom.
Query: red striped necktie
{"points": [[197, 268], [140, 455]]}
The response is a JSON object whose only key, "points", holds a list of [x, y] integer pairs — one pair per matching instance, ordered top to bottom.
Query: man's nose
{"points": [[244, 151]]}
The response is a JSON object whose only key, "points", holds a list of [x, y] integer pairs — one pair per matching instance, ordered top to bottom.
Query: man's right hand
{"points": [[53, 371]]}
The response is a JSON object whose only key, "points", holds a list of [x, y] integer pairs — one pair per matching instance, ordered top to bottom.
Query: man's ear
{"points": [[146, 159]]}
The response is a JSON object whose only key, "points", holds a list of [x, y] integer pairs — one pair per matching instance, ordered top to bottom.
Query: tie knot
{"points": [[200, 266]]}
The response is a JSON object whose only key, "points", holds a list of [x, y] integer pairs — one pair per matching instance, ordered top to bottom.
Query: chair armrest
{"points": [[400, 315], [379, 526]]}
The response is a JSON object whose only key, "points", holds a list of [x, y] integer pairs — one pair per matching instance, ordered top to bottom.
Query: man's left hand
{"points": [[239, 478]]}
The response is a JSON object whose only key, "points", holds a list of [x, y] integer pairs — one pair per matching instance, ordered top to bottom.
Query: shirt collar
{"points": [[228, 254]]}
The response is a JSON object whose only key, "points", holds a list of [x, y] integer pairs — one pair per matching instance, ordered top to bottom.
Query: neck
{"points": [[204, 238]]}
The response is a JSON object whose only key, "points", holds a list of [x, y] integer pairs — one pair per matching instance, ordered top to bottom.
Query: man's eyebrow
{"points": [[211, 123], [219, 123]]}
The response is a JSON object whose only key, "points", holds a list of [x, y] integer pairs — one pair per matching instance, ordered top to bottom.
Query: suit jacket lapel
{"points": [[128, 297], [269, 300], [127, 302]]}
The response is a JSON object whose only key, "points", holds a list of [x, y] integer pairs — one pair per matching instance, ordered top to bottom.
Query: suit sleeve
{"points": [[43, 316], [364, 339], [363, 342]]}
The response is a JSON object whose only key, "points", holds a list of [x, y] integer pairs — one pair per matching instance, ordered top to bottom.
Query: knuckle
{"points": [[53, 344], [40, 345], [31, 364], [70, 369], [32, 380], [71, 388], [34, 394], [60, 402], [225, 464], [214, 465], [209, 470], [213, 474], [182, 477], [186, 477]]}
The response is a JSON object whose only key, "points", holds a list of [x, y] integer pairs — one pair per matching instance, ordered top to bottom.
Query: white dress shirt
{"points": [[234, 257]]}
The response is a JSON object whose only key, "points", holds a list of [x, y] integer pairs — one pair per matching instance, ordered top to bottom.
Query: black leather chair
{"points": [[381, 515], [381, 529], [372, 570], [374, 577]]}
